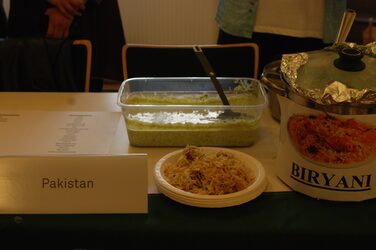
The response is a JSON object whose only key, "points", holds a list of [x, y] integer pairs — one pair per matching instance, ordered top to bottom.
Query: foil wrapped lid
{"points": [[342, 73]]}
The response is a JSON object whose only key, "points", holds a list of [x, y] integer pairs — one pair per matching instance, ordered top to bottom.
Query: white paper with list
{"points": [[55, 132]]}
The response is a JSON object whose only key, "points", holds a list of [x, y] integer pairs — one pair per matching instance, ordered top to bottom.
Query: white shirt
{"points": [[297, 18]]}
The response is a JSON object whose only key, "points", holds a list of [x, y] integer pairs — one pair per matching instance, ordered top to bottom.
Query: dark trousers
{"points": [[3, 22], [272, 46]]}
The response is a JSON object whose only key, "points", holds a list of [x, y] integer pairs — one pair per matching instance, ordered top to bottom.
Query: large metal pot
{"points": [[335, 67], [271, 78], [328, 123]]}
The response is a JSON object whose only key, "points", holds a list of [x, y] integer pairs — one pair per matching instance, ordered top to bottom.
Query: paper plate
{"points": [[256, 188]]}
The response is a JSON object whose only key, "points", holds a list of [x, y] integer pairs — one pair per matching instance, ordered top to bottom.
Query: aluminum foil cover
{"points": [[335, 92]]}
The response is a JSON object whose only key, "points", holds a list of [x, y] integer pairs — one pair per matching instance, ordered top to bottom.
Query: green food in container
{"points": [[187, 111]]}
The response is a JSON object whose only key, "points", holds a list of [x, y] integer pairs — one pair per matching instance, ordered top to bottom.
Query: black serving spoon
{"points": [[210, 72]]}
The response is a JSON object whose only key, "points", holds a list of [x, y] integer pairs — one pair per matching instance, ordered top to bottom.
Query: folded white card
{"points": [[73, 184]]}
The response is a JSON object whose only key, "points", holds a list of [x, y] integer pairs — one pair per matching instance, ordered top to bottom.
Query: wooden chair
{"points": [[83, 53], [227, 60]]}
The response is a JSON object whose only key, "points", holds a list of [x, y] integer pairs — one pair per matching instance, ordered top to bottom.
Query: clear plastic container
{"points": [[175, 112]]}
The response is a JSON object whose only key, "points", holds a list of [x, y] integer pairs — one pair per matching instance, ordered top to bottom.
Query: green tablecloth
{"points": [[288, 219]]}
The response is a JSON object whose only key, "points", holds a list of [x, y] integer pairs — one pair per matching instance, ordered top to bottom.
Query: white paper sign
{"points": [[55, 132], [73, 184]]}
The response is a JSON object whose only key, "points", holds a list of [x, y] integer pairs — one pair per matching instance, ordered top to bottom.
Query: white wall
{"points": [[169, 21]]}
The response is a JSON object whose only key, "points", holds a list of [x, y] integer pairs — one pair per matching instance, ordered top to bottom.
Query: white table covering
{"points": [[264, 149]]}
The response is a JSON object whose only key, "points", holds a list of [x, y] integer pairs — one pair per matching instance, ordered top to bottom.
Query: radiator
{"points": [[169, 21]]}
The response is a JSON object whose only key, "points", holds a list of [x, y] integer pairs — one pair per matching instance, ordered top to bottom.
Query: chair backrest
{"points": [[82, 60], [227, 60], [39, 64]]}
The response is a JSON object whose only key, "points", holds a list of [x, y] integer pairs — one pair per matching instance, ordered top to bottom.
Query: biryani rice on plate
{"points": [[205, 172]]}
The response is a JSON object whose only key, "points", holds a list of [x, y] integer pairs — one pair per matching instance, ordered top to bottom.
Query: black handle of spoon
{"points": [[210, 72]]}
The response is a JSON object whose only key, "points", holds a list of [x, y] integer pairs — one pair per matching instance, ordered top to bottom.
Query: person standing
{"points": [[45, 18], [74, 19], [279, 27]]}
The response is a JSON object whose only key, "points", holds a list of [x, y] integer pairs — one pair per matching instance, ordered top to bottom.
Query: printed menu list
{"points": [[50, 132]]}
